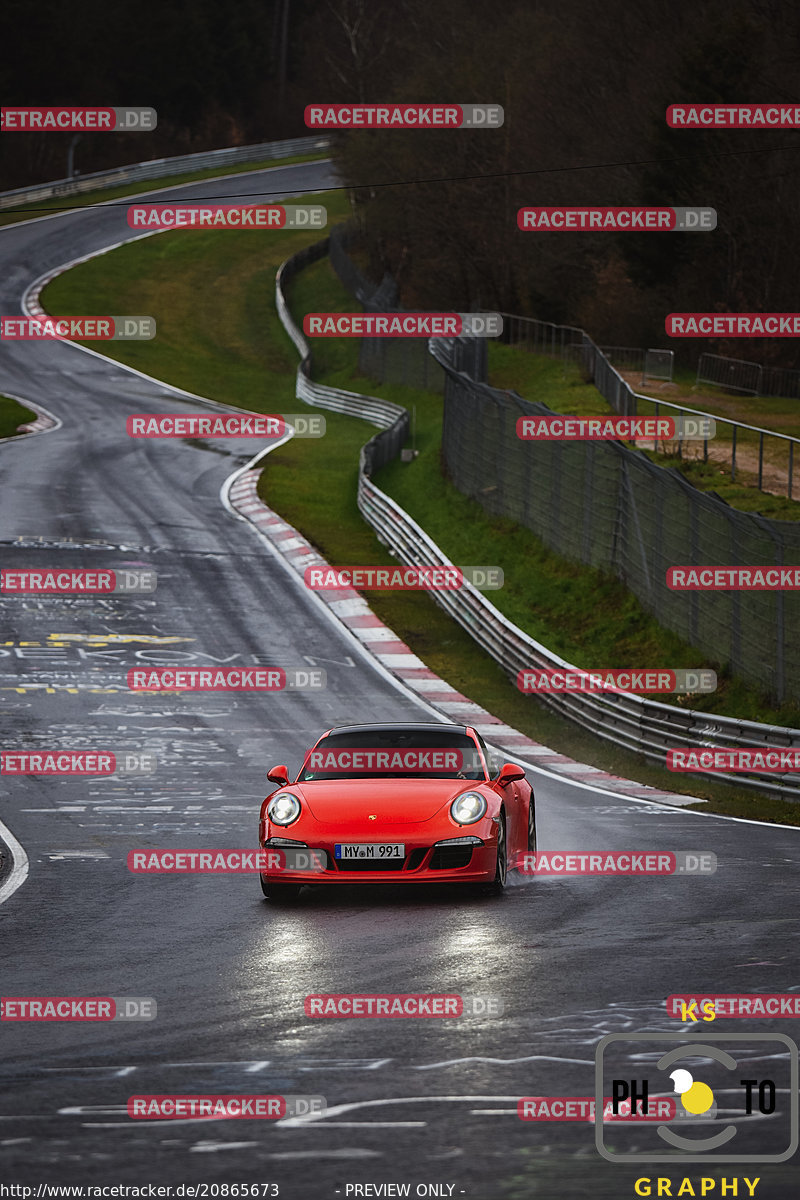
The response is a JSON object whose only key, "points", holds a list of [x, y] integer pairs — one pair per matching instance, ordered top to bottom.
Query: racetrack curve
{"points": [[425, 1101]]}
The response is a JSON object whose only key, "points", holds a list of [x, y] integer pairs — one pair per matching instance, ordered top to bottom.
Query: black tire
{"points": [[532, 826], [498, 884], [280, 893]]}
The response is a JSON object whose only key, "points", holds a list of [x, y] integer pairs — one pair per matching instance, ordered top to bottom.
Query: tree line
{"points": [[584, 87]]}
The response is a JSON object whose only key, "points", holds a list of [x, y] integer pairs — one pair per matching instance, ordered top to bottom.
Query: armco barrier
{"points": [[158, 168], [382, 413], [645, 726]]}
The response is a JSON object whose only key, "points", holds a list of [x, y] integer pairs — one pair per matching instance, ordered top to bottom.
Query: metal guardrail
{"points": [[158, 168], [629, 358], [650, 364], [382, 413], [635, 723]]}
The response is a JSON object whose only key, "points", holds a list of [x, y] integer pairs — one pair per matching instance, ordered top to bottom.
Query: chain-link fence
{"points": [[391, 360], [609, 507], [613, 508]]}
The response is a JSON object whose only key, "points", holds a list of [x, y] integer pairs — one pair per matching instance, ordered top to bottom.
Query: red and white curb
{"points": [[42, 422], [396, 657]]}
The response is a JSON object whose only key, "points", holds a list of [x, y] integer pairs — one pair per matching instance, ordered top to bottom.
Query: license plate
{"points": [[380, 851]]}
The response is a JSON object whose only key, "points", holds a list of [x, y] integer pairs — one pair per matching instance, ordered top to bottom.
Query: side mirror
{"points": [[509, 773], [278, 775]]}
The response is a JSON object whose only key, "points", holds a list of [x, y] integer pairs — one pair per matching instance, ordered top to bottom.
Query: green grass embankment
{"points": [[13, 414]]}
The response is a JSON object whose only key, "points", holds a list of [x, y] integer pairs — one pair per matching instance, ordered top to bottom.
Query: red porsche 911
{"points": [[411, 803]]}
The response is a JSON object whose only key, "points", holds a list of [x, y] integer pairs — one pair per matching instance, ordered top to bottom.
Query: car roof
{"points": [[398, 726]]}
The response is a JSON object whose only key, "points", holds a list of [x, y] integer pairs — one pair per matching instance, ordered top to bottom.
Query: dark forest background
{"points": [[584, 85]]}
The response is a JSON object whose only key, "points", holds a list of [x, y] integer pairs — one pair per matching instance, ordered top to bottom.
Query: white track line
{"points": [[19, 864]]}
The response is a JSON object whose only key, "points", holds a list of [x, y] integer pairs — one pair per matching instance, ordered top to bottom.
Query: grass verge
{"points": [[12, 414]]}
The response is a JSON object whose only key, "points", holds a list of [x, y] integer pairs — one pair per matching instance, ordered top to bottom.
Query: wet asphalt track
{"points": [[418, 1102]]}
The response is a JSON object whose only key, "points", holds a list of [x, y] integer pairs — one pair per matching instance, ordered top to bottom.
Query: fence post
{"points": [[791, 465]]}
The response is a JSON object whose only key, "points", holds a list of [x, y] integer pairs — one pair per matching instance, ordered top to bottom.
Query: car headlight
{"points": [[283, 808], [468, 808], [470, 840]]}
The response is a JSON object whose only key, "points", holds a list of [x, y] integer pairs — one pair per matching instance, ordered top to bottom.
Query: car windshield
{"points": [[394, 753]]}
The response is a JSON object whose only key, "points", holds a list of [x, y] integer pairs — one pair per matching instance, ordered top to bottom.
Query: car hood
{"points": [[392, 801]]}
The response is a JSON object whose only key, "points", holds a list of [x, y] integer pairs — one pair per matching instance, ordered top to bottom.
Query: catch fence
{"points": [[634, 722]]}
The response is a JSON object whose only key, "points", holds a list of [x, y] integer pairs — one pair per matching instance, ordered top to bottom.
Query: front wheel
{"points": [[531, 827], [497, 886], [280, 893]]}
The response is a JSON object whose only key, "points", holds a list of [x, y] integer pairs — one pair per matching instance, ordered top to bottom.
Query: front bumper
{"points": [[423, 863]]}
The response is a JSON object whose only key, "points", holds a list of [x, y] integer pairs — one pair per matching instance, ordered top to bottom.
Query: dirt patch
{"points": [[775, 468]]}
